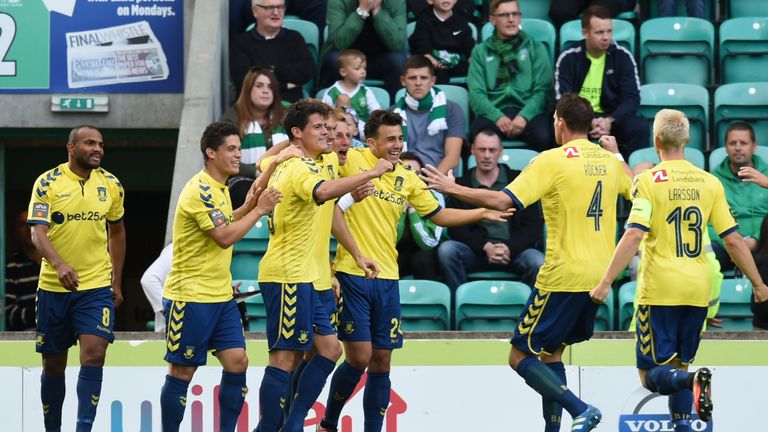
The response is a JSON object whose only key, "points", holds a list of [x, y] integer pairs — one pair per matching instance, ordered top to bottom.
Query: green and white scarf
{"points": [[449, 59], [435, 102], [255, 143]]}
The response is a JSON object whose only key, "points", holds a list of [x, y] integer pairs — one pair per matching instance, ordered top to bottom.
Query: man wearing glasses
{"points": [[268, 43], [510, 80]]}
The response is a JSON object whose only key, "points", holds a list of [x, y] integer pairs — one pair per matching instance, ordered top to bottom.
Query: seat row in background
{"points": [[493, 305]]}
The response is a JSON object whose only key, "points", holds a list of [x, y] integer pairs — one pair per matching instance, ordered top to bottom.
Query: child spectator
{"points": [[444, 37], [349, 92], [354, 130]]}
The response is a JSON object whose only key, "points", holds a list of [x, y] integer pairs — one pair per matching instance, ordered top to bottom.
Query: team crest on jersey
{"points": [[571, 152], [331, 173], [660, 176], [399, 183], [102, 193], [40, 210], [217, 217], [349, 327], [303, 337], [40, 339], [189, 352]]}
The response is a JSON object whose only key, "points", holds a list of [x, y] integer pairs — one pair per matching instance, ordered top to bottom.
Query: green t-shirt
{"points": [[593, 83]]}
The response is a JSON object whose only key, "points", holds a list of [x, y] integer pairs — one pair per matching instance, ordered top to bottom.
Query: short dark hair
{"points": [[495, 4], [594, 11], [418, 61], [576, 112], [297, 115], [379, 118], [741, 126], [75, 130], [489, 131], [215, 134], [404, 156]]}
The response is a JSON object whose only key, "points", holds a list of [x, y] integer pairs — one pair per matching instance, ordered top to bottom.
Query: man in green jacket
{"points": [[375, 27], [510, 81], [748, 201]]}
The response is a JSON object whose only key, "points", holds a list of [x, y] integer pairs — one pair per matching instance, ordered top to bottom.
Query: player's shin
{"points": [[343, 383], [310, 385], [52, 391], [232, 393], [88, 394], [272, 396], [376, 400], [173, 401], [551, 408]]}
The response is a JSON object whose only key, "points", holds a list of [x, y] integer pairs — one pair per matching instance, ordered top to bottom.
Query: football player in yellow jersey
{"points": [[578, 185], [671, 207], [76, 214], [199, 308], [295, 317], [369, 320]]}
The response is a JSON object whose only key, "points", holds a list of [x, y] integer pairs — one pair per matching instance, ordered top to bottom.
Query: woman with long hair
{"points": [[257, 114]]}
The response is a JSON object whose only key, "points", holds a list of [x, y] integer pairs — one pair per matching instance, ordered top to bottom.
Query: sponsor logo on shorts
{"points": [[349, 327], [104, 329], [303, 337], [40, 339], [189, 352]]}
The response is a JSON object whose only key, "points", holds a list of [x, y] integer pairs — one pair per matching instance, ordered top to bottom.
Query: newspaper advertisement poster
{"points": [[87, 46]]}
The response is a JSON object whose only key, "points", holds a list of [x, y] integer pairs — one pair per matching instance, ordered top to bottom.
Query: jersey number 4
{"points": [[595, 209], [691, 216]]}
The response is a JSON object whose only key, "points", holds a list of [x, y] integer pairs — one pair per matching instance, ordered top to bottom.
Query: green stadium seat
{"points": [[745, 8], [535, 9], [543, 31], [309, 32], [623, 34], [677, 50], [744, 50], [453, 93], [381, 95], [691, 99], [741, 102], [513, 144], [719, 154], [693, 155], [516, 159], [256, 239], [245, 265], [492, 275], [626, 304], [425, 305], [492, 305], [254, 306], [735, 309], [604, 316]]}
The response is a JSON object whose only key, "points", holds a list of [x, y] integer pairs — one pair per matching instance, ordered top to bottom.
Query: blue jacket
{"points": [[621, 83]]}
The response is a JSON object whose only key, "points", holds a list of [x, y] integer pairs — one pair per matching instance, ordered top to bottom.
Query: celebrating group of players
{"points": [[316, 185]]}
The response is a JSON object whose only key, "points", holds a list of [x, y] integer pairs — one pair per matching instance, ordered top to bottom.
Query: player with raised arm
{"points": [[578, 184], [672, 204], [76, 214], [369, 321]]}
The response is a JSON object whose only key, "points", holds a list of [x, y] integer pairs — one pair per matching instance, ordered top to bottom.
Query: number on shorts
{"points": [[7, 34], [105, 317], [395, 331]]}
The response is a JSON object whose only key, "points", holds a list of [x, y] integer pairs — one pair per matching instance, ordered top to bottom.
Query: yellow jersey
{"points": [[329, 167], [578, 184], [673, 202], [76, 212], [373, 221], [292, 224], [200, 267]]}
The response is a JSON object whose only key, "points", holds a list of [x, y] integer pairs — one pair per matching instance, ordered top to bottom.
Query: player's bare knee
{"points": [[328, 347], [93, 355], [515, 357], [381, 361], [54, 364], [182, 372]]}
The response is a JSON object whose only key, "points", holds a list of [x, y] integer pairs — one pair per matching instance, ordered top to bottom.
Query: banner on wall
{"points": [[91, 46], [423, 398]]}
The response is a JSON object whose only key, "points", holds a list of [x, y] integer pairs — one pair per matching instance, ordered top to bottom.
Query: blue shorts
{"points": [[370, 311], [291, 313], [61, 317], [552, 319], [328, 322], [192, 329], [667, 332]]}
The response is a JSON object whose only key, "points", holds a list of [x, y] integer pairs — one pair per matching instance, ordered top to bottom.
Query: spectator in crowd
{"points": [[464, 7], [694, 8], [562, 11], [240, 16], [375, 27], [443, 36], [269, 44], [604, 73], [510, 81], [349, 92], [257, 115], [433, 126], [354, 129], [748, 201], [418, 237], [487, 245], [22, 270], [152, 283], [760, 320]]}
